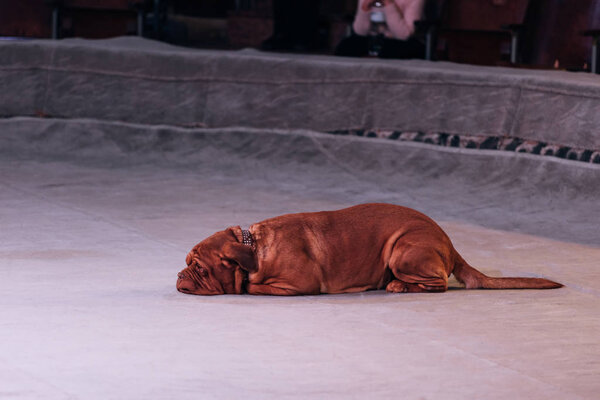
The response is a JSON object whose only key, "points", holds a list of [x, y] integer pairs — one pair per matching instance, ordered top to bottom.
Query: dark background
{"points": [[469, 31]]}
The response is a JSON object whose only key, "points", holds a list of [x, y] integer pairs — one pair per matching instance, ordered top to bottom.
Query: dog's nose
{"points": [[185, 285]]}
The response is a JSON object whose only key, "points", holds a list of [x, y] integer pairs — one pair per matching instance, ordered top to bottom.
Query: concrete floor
{"points": [[89, 256]]}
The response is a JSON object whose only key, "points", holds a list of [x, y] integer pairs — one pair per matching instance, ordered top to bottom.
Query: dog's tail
{"points": [[474, 279]]}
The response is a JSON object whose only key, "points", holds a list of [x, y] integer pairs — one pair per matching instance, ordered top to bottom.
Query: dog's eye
{"points": [[201, 270]]}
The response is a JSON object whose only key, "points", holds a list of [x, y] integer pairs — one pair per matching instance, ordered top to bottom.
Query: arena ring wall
{"points": [[140, 81]]}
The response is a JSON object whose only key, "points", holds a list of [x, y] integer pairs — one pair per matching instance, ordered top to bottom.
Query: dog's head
{"points": [[217, 265]]}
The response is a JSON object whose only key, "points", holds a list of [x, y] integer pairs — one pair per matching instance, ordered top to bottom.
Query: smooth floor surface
{"points": [[88, 306]]}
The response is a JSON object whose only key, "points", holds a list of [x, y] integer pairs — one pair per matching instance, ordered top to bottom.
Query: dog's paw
{"points": [[396, 287]]}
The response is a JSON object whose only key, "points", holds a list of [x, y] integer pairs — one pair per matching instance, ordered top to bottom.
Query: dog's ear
{"points": [[237, 254]]}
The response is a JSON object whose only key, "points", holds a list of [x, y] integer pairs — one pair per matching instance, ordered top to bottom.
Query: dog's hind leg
{"points": [[417, 269]]}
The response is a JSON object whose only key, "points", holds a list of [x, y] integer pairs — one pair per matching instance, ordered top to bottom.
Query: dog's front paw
{"points": [[396, 287]]}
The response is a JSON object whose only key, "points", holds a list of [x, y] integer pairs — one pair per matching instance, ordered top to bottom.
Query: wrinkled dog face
{"points": [[216, 266], [200, 275]]}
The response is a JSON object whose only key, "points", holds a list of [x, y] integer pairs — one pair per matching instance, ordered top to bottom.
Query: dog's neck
{"points": [[241, 275]]}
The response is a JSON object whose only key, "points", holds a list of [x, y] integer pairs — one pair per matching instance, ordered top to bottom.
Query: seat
{"points": [[99, 19], [427, 28], [475, 32], [593, 32], [560, 34], [594, 55]]}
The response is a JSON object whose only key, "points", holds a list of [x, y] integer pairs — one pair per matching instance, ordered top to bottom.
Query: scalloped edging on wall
{"points": [[503, 143]]}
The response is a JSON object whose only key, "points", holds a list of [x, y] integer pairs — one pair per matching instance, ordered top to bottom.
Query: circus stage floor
{"points": [[94, 231]]}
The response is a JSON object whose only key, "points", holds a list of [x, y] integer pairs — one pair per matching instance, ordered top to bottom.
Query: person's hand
{"points": [[366, 5]]}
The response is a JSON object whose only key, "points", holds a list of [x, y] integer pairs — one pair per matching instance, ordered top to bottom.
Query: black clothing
{"points": [[294, 25], [359, 46]]}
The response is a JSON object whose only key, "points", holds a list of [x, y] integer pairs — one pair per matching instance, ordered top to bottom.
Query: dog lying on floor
{"points": [[369, 246]]}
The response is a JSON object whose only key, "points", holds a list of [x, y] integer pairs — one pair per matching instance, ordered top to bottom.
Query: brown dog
{"points": [[370, 246]]}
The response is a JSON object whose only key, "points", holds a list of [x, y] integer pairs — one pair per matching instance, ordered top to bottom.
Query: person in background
{"points": [[384, 28]]}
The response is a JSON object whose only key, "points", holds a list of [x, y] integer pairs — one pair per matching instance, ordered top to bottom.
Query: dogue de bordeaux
{"points": [[369, 246]]}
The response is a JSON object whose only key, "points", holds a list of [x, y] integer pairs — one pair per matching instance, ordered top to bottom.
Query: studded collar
{"points": [[247, 238]]}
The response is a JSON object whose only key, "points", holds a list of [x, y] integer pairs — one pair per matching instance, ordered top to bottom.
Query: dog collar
{"points": [[247, 238]]}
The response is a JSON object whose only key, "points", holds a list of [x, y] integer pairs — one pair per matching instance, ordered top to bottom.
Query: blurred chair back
{"points": [[427, 28], [471, 31], [553, 33]]}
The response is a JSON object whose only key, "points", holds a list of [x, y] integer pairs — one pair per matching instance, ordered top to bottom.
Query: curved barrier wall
{"points": [[154, 83]]}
